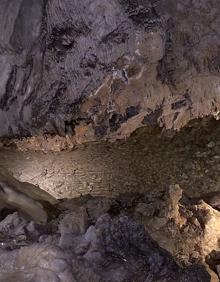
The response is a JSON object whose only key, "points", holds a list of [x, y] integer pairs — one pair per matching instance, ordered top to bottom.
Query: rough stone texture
{"points": [[101, 69], [145, 161], [32, 201], [110, 242]]}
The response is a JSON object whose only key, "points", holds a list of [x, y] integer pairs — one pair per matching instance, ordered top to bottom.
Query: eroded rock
{"points": [[100, 70], [25, 198], [115, 243]]}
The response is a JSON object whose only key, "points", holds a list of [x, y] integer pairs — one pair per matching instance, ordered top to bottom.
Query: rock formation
{"points": [[100, 69], [97, 70], [30, 200], [101, 239]]}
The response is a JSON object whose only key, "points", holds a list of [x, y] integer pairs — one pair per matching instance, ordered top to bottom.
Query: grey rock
{"points": [[56, 57], [25, 198], [72, 225], [113, 249], [47, 264]]}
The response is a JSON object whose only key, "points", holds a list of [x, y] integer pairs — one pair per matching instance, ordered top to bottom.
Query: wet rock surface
{"points": [[101, 69], [158, 236]]}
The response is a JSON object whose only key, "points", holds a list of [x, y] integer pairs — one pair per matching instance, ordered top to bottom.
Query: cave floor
{"points": [[149, 159]]}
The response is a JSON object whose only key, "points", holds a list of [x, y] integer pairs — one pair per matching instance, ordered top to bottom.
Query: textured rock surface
{"points": [[99, 68], [145, 161], [32, 201], [107, 240]]}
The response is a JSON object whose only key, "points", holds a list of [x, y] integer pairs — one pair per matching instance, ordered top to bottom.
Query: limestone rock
{"points": [[100, 69], [24, 197], [114, 247], [36, 263]]}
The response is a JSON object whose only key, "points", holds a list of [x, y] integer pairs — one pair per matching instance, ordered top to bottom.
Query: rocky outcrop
{"points": [[100, 69]]}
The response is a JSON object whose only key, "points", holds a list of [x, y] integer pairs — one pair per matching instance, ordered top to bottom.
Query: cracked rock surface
{"points": [[100, 69]]}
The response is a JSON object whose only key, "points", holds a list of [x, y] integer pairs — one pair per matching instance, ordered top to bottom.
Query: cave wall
{"points": [[98, 69], [146, 161]]}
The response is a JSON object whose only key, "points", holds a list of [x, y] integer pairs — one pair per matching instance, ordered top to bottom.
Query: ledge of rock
{"points": [[99, 69]]}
